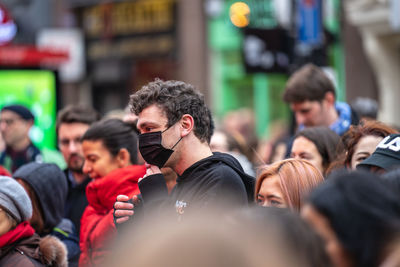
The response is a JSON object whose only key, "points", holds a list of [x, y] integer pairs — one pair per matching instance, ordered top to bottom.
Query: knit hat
{"points": [[22, 111], [386, 155], [48, 182], [14, 199]]}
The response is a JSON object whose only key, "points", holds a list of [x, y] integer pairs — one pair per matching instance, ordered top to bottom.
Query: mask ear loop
{"points": [[176, 143]]}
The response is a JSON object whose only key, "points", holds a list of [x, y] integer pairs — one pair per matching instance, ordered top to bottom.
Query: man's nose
{"points": [[300, 119], [73, 146], [86, 168]]}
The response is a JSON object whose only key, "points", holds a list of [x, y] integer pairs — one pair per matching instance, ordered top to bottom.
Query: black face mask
{"points": [[152, 150]]}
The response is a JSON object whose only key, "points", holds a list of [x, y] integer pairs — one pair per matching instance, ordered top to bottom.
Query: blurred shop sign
{"points": [[127, 18], [309, 27], [8, 29], [134, 29], [71, 41], [133, 47], [267, 50], [31, 56]]}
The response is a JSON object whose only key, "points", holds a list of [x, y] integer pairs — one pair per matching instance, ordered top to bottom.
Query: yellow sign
{"points": [[128, 18]]}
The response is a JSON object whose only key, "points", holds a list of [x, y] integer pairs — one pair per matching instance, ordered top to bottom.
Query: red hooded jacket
{"points": [[97, 226]]}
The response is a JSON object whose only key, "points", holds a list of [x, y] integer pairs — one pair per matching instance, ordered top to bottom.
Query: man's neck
{"points": [[332, 116], [193, 153], [79, 177]]}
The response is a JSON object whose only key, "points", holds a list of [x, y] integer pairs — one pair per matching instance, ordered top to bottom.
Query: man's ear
{"points": [[329, 98], [187, 124], [123, 158]]}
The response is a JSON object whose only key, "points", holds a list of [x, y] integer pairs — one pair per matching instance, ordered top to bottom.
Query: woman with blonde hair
{"points": [[286, 183]]}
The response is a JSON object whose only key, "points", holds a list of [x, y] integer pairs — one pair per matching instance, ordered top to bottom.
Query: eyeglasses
{"points": [[66, 142]]}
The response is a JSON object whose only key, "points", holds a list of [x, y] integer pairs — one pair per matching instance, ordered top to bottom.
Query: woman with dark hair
{"points": [[360, 142], [318, 145], [110, 150], [286, 183], [357, 215]]}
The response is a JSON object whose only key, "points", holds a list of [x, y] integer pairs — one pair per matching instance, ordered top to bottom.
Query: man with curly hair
{"points": [[175, 130]]}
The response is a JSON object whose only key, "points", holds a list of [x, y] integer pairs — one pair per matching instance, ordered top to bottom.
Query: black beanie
{"points": [[22, 111], [50, 186]]}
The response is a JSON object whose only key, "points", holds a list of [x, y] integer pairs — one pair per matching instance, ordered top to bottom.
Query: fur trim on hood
{"points": [[53, 252]]}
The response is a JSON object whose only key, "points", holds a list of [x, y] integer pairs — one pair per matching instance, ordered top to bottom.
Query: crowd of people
{"points": [[167, 186]]}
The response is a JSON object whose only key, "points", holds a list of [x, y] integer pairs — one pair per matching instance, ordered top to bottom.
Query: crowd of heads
{"points": [[331, 198]]}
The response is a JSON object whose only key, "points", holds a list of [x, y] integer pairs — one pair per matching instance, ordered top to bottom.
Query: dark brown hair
{"points": [[308, 83], [176, 98], [77, 114], [328, 143], [37, 220]]}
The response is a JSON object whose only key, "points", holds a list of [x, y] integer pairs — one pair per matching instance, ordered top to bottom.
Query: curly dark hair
{"points": [[175, 98]]}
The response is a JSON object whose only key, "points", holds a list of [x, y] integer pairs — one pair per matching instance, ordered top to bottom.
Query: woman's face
{"points": [[303, 148], [364, 148], [98, 160], [270, 193], [5, 223], [321, 225]]}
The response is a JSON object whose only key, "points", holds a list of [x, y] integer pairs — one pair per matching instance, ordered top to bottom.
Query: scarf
{"points": [[22, 230]]}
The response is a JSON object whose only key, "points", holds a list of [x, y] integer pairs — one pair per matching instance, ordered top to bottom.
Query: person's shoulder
{"points": [[226, 159], [223, 167], [16, 258]]}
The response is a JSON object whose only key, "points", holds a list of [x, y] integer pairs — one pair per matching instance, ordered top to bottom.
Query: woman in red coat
{"points": [[110, 150]]}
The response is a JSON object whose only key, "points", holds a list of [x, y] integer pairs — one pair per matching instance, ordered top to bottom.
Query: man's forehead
{"points": [[303, 105], [8, 113], [151, 115], [72, 128]]}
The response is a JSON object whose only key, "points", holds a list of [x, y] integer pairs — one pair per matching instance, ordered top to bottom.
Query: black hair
{"points": [[176, 99], [115, 135], [328, 143], [392, 177], [363, 212]]}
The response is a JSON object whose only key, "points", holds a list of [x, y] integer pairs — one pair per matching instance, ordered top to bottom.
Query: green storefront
{"points": [[233, 88]]}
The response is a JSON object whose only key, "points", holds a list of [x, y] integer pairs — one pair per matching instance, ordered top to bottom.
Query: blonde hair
{"points": [[297, 178]]}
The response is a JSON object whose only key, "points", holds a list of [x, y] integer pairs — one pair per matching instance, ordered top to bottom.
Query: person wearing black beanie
{"points": [[15, 123]]}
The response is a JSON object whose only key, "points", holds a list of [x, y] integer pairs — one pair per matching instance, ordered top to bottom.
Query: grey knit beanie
{"points": [[14, 199]]}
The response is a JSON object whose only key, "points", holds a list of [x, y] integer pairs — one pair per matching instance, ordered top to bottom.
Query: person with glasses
{"points": [[15, 123], [72, 123]]}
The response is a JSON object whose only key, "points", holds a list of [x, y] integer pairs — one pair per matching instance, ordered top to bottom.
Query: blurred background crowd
{"points": [[297, 88]]}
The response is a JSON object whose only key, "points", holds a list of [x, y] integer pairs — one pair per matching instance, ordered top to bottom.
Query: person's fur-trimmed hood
{"points": [[53, 252]]}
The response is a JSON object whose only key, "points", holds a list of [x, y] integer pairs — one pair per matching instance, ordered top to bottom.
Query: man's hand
{"points": [[150, 169], [123, 209]]}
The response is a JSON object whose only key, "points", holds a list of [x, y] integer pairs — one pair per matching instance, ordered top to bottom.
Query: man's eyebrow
{"points": [[305, 154]]}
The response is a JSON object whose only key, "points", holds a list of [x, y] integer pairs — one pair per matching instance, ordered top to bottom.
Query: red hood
{"points": [[102, 193]]}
